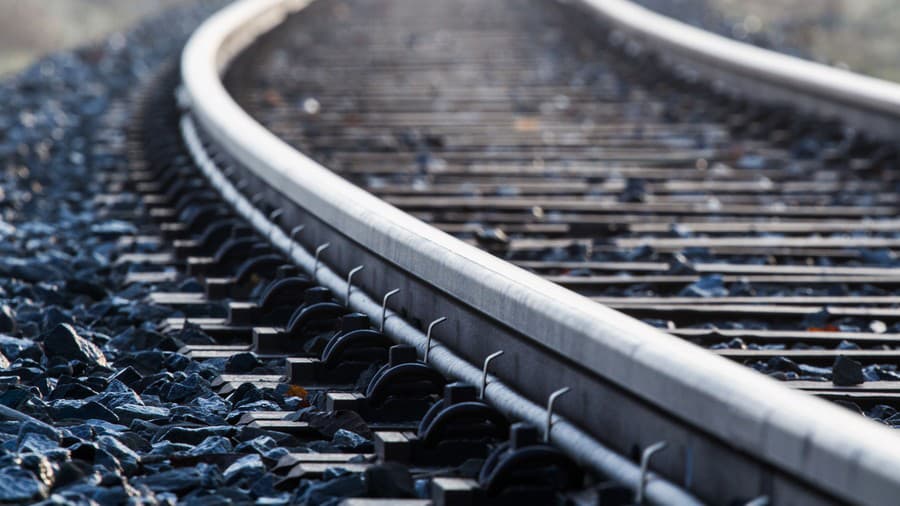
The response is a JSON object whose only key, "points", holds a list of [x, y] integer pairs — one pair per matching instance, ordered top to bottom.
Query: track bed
{"points": [[763, 234]]}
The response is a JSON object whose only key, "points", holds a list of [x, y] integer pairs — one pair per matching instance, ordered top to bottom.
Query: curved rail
{"points": [[869, 104], [816, 442]]}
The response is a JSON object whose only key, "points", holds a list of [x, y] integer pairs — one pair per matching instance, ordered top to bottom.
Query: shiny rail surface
{"points": [[635, 385]]}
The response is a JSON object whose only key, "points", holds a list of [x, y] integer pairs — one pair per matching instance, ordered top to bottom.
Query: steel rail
{"points": [[869, 104], [579, 444], [819, 444]]}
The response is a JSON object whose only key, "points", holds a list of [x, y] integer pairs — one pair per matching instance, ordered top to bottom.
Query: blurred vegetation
{"points": [[32, 28], [858, 34]]}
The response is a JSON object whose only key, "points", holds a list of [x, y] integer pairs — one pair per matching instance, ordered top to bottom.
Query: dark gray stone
{"points": [[32, 271], [79, 286], [707, 286], [140, 313], [54, 316], [7, 319], [193, 334], [140, 340], [65, 342], [12, 346], [177, 362], [242, 363], [783, 364], [810, 370], [847, 372], [872, 373], [129, 376], [189, 388], [71, 391], [117, 394], [246, 394], [211, 403], [255, 406], [79, 410], [129, 412], [105, 427], [43, 429], [192, 435], [350, 441], [36, 443], [260, 444], [213, 445], [167, 448], [83, 451], [128, 459], [108, 461], [249, 466], [71, 472], [183, 480], [19, 486]]}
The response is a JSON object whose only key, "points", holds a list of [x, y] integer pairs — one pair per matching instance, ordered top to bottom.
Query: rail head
{"points": [[866, 103], [847, 455]]}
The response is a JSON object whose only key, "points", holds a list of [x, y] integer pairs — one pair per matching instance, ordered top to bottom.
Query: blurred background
{"points": [[32, 28], [858, 34]]}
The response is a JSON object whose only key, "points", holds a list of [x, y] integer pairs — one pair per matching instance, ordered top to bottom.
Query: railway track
{"points": [[546, 143], [699, 214], [366, 402]]}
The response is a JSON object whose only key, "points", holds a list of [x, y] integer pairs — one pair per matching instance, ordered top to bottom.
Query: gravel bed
{"points": [[97, 407]]}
